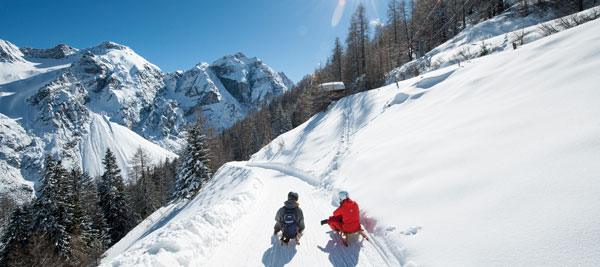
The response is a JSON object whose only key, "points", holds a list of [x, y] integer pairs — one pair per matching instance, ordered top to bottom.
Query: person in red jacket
{"points": [[346, 217]]}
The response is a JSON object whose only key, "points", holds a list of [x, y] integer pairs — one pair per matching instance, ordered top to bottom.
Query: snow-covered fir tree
{"points": [[193, 169], [112, 199], [53, 209], [90, 227], [16, 236]]}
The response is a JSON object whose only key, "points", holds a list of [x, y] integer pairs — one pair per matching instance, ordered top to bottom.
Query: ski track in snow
{"points": [[344, 144]]}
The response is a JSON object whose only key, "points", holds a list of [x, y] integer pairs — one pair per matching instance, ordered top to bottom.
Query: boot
{"points": [[323, 222]]}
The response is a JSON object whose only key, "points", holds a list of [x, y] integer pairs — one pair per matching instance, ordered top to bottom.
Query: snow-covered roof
{"points": [[332, 86]]}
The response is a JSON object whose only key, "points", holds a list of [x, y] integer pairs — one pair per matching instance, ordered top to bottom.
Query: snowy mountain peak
{"points": [[108, 45], [10, 52], [58, 52], [237, 59], [201, 65], [249, 80]]}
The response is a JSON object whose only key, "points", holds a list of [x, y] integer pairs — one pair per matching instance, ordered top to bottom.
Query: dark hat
{"points": [[293, 196]]}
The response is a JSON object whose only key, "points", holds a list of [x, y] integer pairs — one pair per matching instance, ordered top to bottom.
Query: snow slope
{"points": [[496, 35], [17, 66], [104, 134], [494, 163]]}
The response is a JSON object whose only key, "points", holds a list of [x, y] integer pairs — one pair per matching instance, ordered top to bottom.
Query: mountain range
{"points": [[76, 103]]}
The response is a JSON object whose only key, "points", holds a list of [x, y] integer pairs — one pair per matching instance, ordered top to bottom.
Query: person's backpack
{"points": [[289, 224]]}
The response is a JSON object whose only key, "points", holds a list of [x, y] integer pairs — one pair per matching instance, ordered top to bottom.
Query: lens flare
{"points": [[337, 14]]}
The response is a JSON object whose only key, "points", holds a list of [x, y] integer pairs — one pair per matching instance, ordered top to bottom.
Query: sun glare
{"points": [[339, 9], [337, 14]]}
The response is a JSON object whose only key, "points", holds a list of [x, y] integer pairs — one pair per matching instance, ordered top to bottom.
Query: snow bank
{"points": [[188, 233]]}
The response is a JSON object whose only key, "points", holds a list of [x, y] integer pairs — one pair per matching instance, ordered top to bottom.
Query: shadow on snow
{"points": [[277, 255], [340, 255]]}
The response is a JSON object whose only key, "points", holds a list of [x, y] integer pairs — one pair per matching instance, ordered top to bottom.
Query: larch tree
{"points": [[336, 59], [145, 200]]}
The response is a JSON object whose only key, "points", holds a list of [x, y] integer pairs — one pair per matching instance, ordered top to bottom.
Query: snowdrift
{"points": [[493, 163]]}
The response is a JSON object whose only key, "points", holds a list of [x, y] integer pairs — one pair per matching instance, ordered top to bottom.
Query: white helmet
{"points": [[343, 195]]}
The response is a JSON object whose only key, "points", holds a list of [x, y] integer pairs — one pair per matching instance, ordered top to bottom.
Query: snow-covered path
{"points": [[231, 222], [253, 244]]}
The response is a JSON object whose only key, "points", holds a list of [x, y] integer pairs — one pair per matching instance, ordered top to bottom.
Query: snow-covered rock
{"points": [[10, 52], [57, 52], [249, 80]]}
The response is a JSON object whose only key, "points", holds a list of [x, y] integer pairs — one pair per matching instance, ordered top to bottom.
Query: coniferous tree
{"points": [[193, 169], [112, 200], [7, 205], [53, 209], [90, 233], [17, 235]]}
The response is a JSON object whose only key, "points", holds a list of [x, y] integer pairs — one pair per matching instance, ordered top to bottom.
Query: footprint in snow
{"points": [[411, 230]]}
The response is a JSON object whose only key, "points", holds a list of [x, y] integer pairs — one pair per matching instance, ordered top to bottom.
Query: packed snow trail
{"points": [[230, 223], [253, 234]]}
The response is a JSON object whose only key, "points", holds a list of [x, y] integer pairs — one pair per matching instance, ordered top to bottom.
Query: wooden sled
{"points": [[344, 235]]}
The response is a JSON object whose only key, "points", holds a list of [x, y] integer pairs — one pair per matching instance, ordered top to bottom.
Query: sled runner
{"points": [[344, 236], [285, 242]]}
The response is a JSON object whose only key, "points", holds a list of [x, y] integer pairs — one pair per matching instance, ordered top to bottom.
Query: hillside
{"points": [[490, 163]]}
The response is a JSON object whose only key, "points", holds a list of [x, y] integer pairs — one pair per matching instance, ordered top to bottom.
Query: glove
{"points": [[323, 222]]}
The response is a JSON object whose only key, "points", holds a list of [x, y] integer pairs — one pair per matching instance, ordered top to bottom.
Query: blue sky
{"points": [[289, 35]]}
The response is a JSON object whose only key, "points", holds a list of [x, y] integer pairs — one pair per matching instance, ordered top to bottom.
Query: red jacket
{"points": [[350, 215]]}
